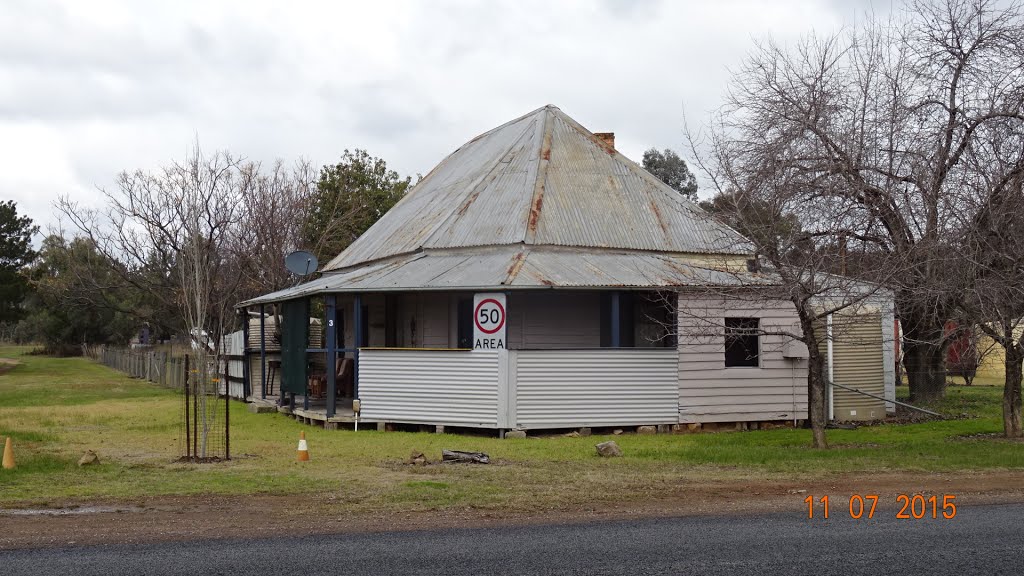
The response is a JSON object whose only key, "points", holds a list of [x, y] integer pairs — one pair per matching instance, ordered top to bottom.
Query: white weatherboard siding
{"points": [[233, 345], [256, 373], [607, 387], [454, 388], [710, 392]]}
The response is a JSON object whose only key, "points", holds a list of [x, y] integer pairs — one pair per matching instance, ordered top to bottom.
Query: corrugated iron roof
{"points": [[541, 179], [520, 267]]}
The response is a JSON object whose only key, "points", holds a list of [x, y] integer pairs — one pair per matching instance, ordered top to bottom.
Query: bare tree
{"points": [[881, 122], [209, 194], [274, 210], [168, 234], [800, 239], [995, 302], [1009, 333]]}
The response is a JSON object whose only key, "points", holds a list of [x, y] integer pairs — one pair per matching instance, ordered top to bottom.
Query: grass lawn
{"points": [[55, 409]]}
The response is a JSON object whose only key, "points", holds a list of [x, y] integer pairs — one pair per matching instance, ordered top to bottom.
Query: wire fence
{"points": [[158, 367], [204, 423]]}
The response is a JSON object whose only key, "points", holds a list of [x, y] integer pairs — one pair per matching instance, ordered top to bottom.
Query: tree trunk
{"points": [[925, 362], [1014, 364], [816, 400], [817, 410]]}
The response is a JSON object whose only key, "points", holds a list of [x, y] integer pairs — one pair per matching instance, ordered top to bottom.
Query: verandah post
{"points": [[358, 316], [263, 350], [332, 354], [305, 357], [246, 384], [305, 390]]}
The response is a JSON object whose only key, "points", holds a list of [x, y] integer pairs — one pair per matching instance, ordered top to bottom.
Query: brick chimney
{"points": [[607, 137]]}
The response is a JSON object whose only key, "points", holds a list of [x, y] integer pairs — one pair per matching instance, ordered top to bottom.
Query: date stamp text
{"points": [[865, 506]]}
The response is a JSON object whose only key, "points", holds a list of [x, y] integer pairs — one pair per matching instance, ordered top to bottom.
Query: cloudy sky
{"points": [[88, 89]]}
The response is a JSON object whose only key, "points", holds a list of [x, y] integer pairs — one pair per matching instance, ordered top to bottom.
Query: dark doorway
{"points": [[391, 321], [364, 326], [627, 338]]}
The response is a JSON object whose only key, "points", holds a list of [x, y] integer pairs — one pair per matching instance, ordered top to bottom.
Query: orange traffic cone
{"points": [[303, 449], [8, 454]]}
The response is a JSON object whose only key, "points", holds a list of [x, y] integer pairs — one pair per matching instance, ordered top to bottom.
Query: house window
{"points": [[741, 342]]}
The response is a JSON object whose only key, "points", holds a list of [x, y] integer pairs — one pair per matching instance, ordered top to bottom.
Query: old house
{"points": [[538, 279]]}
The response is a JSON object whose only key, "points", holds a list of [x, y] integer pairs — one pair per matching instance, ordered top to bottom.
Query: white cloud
{"points": [[88, 89]]}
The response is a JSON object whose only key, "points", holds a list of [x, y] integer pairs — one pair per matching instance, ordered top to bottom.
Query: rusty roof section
{"points": [[540, 180], [537, 201]]}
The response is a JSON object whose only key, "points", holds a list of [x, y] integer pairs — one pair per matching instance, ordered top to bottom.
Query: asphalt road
{"points": [[979, 540]]}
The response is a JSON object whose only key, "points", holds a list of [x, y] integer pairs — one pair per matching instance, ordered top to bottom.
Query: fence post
{"points": [[227, 411], [195, 412], [188, 438]]}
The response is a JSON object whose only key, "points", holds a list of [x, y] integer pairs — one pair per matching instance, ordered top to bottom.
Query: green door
{"points": [[294, 341]]}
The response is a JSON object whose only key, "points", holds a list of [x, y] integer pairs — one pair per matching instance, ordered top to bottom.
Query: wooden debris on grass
{"points": [[458, 456]]}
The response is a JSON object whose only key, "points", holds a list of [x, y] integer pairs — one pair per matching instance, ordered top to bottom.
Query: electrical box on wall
{"points": [[794, 349]]}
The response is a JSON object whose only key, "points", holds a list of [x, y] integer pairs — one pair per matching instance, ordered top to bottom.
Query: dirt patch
{"points": [[7, 364], [988, 436], [199, 460], [68, 511], [203, 517]]}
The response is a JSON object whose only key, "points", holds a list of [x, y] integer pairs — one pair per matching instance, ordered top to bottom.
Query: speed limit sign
{"points": [[489, 321]]}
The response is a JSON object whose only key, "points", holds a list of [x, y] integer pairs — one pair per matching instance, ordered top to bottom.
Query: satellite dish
{"points": [[301, 263]]}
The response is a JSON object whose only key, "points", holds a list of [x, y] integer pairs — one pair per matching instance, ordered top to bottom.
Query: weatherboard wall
{"points": [[554, 320], [710, 392]]}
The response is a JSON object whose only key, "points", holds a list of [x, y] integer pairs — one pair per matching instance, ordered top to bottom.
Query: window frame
{"points": [[738, 334]]}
